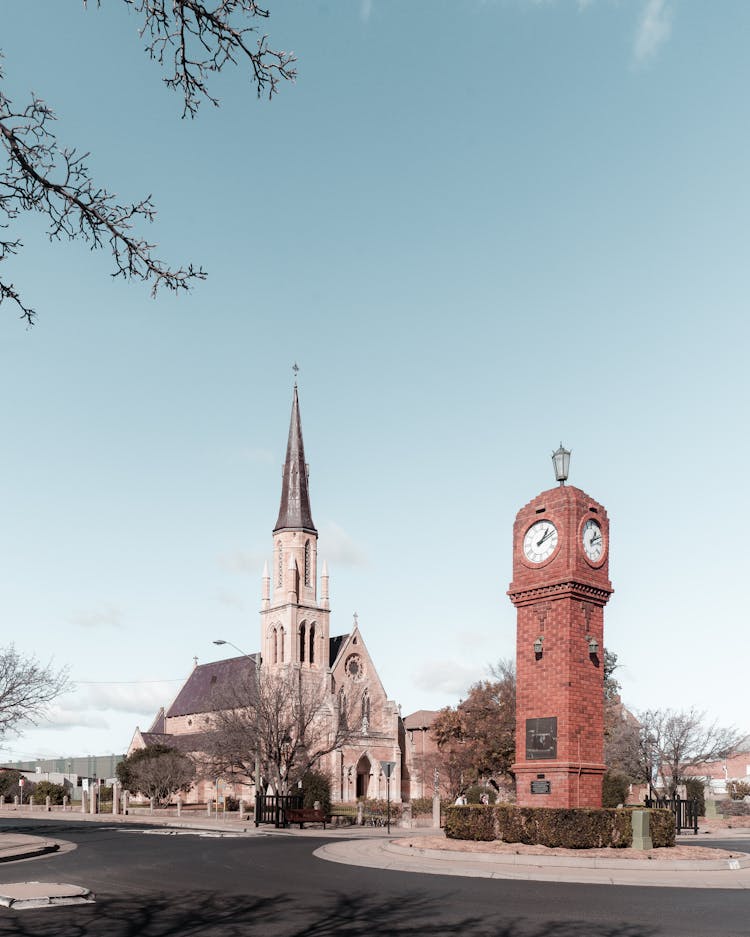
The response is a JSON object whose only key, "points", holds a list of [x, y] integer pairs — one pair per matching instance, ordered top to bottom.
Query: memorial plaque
{"points": [[541, 738], [541, 787]]}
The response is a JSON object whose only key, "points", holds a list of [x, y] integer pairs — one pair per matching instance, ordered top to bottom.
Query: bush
{"points": [[9, 782], [316, 786], [45, 789], [615, 789], [738, 789], [694, 790], [231, 803], [421, 806], [379, 808], [734, 808], [475, 822], [571, 828], [662, 828]]}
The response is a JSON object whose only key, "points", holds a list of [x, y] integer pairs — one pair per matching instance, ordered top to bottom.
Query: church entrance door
{"points": [[363, 776]]}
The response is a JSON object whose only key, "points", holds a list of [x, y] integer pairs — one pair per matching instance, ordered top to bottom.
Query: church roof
{"points": [[294, 510], [336, 643], [198, 695], [421, 719], [158, 725]]}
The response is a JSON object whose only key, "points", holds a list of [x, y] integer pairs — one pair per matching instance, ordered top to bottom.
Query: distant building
{"points": [[295, 633]]}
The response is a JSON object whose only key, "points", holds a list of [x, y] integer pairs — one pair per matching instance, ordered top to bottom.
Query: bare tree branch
{"points": [[195, 38], [26, 689], [283, 720], [673, 741]]}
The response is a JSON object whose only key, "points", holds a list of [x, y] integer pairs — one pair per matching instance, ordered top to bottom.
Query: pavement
{"points": [[376, 848]]}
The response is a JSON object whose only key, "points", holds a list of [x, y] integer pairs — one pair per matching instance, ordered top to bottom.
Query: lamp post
{"points": [[256, 658], [388, 767]]}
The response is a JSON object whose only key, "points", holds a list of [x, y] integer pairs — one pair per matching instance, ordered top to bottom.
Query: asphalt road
{"points": [[156, 885]]}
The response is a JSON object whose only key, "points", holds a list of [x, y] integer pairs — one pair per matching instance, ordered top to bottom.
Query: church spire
{"points": [[294, 511]]}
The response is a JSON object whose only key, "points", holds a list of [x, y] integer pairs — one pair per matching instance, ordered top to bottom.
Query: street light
{"points": [[561, 460], [388, 767]]}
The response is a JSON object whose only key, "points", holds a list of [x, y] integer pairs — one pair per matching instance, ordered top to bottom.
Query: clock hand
{"points": [[546, 535]]}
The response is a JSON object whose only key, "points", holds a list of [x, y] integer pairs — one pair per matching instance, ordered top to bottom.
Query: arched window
{"points": [[307, 562], [279, 564], [281, 636], [275, 639], [302, 643], [311, 655], [342, 706], [365, 712]]}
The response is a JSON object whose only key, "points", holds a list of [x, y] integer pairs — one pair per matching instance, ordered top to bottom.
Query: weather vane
{"points": [[295, 368]]}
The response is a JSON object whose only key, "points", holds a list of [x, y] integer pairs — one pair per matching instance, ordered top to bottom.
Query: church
{"points": [[295, 632]]}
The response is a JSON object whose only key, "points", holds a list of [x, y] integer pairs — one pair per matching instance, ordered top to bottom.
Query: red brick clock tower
{"points": [[560, 587]]}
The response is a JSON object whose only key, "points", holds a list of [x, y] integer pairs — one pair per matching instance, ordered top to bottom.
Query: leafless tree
{"points": [[192, 39], [26, 689], [283, 722], [673, 741]]}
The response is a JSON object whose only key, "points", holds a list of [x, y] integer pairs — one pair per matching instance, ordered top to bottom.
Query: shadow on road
{"points": [[361, 915]]}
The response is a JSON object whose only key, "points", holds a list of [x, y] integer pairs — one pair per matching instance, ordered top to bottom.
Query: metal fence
{"points": [[272, 808], [685, 811]]}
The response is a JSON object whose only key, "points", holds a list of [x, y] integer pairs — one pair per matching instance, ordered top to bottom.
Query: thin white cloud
{"points": [[365, 10], [653, 30], [338, 547], [243, 561], [230, 600], [105, 615], [445, 676], [141, 699], [61, 718]]}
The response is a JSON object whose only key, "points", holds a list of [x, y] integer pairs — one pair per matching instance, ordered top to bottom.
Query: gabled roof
{"points": [[294, 510], [336, 643], [198, 695], [421, 719], [158, 725]]}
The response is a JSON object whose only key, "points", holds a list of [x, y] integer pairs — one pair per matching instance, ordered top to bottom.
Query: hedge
{"points": [[571, 828]]}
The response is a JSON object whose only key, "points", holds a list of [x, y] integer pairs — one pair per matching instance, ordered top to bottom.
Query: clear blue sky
{"points": [[481, 228]]}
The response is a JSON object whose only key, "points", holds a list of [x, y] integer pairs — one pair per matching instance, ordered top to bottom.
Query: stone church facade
{"points": [[295, 632]]}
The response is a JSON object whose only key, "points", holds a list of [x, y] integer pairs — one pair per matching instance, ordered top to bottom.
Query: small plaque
{"points": [[541, 738], [541, 787]]}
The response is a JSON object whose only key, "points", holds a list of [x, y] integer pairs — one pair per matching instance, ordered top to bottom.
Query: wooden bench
{"points": [[303, 815]]}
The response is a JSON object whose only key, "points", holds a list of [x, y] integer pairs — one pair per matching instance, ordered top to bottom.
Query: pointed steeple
{"points": [[294, 511]]}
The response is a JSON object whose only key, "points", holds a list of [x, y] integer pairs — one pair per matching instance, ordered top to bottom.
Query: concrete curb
{"points": [[16, 846], [384, 855], [572, 862], [19, 896]]}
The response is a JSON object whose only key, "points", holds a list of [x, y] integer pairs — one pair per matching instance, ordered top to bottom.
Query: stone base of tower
{"points": [[558, 784]]}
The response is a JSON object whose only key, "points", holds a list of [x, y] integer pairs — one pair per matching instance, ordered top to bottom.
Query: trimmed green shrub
{"points": [[615, 788], [45, 789], [695, 790], [379, 808], [471, 822], [662, 827], [570, 828]]}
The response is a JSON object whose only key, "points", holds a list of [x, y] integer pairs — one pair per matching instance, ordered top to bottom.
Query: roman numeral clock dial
{"points": [[593, 540], [540, 541]]}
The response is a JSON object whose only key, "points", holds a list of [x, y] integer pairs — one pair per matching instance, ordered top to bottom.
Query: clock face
{"points": [[593, 540], [540, 541]]}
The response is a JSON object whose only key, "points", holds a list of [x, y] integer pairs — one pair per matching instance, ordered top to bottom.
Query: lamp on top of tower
{"points": [[561, 461]]}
